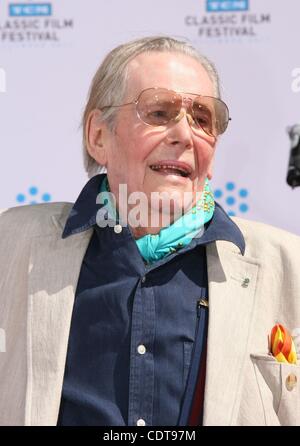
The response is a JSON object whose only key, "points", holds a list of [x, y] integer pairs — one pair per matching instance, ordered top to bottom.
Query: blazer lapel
{"points": [[53, 274], [232, 282]]}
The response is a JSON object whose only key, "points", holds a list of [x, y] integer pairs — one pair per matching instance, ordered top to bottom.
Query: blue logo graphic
{"points": [[226, 5], [30, 10], [33, 197], [232, 199]]}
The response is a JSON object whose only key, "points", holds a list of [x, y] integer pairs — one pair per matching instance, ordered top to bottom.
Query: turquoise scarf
{"points": [[153, 247]]}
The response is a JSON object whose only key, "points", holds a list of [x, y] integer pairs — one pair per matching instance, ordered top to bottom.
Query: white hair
{"points": [[109, 83]]}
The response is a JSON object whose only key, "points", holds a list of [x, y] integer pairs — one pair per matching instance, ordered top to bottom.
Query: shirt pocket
{"points": [[187, 356], [283, 381]]}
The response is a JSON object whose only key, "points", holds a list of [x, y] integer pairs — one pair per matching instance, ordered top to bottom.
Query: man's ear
{"points": [[94, 134]]}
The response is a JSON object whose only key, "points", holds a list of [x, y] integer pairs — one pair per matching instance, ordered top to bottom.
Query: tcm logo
{"points": [[226, 5], [29, 10]]}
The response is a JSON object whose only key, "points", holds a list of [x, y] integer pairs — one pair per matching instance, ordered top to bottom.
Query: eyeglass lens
{"points": [[159, 106]]}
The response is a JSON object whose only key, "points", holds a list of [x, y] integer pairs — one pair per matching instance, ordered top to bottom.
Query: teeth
{"points": [[182, 171]]}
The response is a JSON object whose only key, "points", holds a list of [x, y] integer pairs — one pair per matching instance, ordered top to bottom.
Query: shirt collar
{"points": [[84, 212], [221, 227]]}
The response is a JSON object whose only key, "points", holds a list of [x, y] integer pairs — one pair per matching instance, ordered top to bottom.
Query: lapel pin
{"points": [[245, 282]]}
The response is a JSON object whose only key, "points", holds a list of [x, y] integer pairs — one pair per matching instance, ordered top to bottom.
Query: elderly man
{"points": [[112, 317]]}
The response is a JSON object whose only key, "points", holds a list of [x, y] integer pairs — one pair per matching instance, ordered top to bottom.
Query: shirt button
{"points": [[118, 229], [144, 279], [141, 349], [291, 381], [141, 422]]}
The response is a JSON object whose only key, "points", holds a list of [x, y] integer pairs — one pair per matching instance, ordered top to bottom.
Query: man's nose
{"points": [[180, 131]]}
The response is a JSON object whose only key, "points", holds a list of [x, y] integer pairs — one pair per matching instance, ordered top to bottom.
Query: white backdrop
{"points": [[47, 62]]}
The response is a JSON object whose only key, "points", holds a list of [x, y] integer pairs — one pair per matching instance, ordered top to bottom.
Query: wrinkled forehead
{"points": [[174, 71]]}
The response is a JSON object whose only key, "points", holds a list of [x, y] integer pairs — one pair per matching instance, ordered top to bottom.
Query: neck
{"points": [[149, 222], [141, 231]]}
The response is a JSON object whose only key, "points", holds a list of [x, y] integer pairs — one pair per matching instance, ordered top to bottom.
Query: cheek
{"points": [[133, 144], [142, 148], [204, 153], [128, 159]]}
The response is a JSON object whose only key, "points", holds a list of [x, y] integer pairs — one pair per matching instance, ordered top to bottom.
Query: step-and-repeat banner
{"points": [[49, 52]]}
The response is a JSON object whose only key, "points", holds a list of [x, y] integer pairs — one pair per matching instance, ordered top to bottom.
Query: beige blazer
{"points": [[244, 385]]}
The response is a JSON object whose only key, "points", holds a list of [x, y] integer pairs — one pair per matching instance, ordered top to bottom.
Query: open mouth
{"points": [[180, 169]]}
